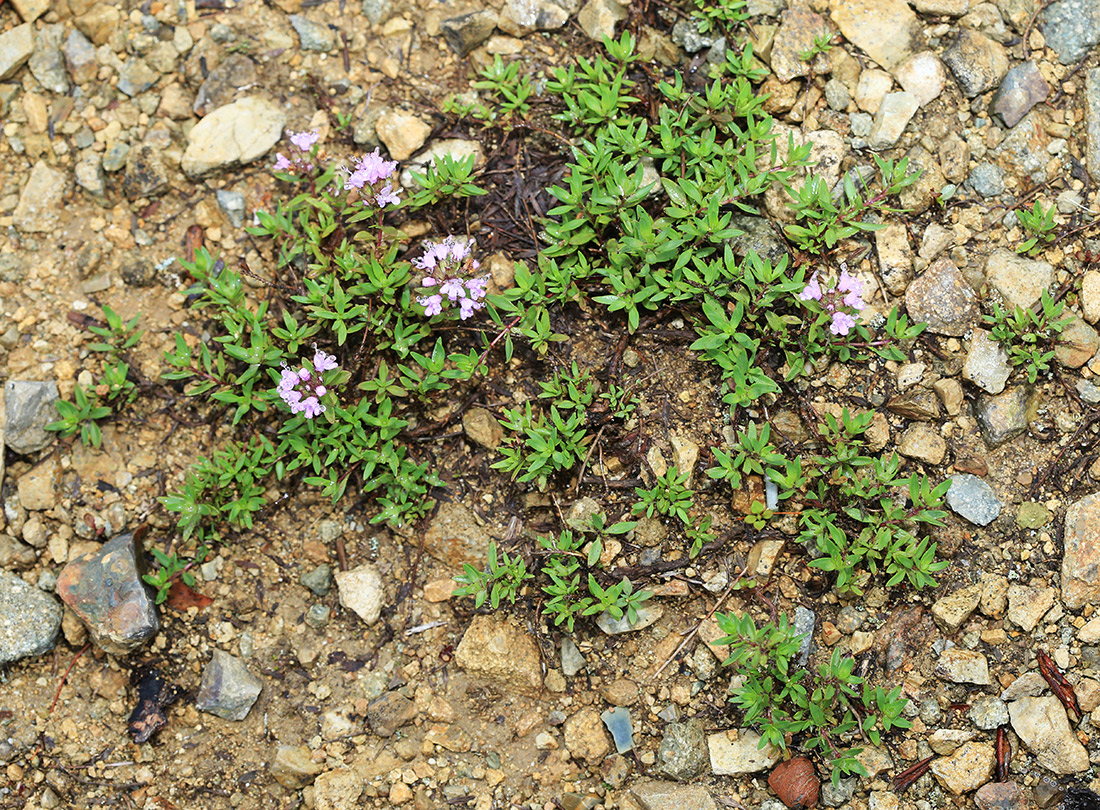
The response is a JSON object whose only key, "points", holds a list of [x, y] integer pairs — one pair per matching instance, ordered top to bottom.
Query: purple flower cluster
{"points": [[300, 159], [372, 178], [447, 262], [847, 292], [302, 390]]}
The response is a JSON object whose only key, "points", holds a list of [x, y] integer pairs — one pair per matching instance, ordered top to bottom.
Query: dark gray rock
{"points": [[1071, 28], [466, 31], [685, 33], [313, 36], [976, 61], [46, 63], [135, 77], [224, 82], [1023, 87], [146, 175], [988, 180], [232, 205], [759, 236], [139, 273], [29, 407], [1002, 416], [972, 498], [319, 580], [318, 616], [29, 619], [228, 689], [389, 712], [619, 724], [682, 754]]}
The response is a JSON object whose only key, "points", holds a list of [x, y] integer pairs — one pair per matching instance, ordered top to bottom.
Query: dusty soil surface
{"points": [[523, 734]]}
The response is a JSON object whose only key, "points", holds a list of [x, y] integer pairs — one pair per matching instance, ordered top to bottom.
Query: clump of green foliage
{"points": [[1038, 223], [1028, 334], [114, 389], [852, 519], [571, 580], [823, 708]]}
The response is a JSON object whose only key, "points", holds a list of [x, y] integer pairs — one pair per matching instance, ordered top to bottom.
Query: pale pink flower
{"points": [[304, 140], [282, 162], [387, 196], [453, 289], [812, 291], [433, 304], [467, 307], [842, 323], [324, 362], [312, 407]]}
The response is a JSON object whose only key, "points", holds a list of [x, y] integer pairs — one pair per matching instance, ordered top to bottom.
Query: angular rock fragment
{"points": [[105, 590], [228, 689]]}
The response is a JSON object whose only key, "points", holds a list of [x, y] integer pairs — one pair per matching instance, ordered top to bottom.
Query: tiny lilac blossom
{"points": [[304, 140], [282, 162], [387, 196], [453, 289], [812, 292], [433, 304], [467, 307], [842, 323], [324, 362], [302, 390]]}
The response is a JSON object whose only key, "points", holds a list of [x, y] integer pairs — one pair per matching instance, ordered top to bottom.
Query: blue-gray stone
{"points": [[377, 11], [1071, 28], [222, 33], [686, 34], [313, 36], [46, 63], [135, 77], [1023, 87], [115, 156], [988, 180], [232, 203], [29, 407], [1003, 416], [972, 498], [319, 580], [318, 615], [646, 616], [29, 619], [804, 622], [572, 661], [228, 689], [988, 712], [670, 713], [622, 730], [683, 754], [839, 794]]}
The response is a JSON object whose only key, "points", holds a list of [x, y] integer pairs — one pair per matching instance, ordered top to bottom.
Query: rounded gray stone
{"points": [[29, 619]]}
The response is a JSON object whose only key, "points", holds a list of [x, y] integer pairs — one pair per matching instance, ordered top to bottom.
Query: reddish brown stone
{"points": [[105, 590]]}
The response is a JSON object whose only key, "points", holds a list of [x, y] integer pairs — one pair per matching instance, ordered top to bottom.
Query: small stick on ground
{"points": [[695, 630]]}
